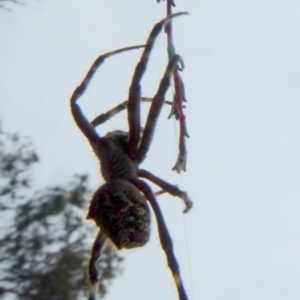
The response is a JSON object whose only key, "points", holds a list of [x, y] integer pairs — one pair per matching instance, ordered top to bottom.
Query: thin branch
{"points": [[179, 96]]}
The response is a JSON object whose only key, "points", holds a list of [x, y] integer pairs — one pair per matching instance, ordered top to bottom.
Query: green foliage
{"points": [[16, 159], [44, 240]]}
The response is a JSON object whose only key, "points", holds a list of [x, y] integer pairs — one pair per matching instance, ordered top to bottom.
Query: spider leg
{"points": [[117, 109], [155, 109], [109, 114], [134, 119], [81, 121], [167, 187], [164, 236], [93, 270]]}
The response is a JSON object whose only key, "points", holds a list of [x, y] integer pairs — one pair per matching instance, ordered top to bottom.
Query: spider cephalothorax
{"points": [[119, 207]]}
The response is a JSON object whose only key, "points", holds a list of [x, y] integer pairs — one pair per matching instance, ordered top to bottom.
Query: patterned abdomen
{"points": [[122, 213]]}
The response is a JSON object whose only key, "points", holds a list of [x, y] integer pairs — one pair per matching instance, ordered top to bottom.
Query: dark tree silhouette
{"points": [[44, 239]]}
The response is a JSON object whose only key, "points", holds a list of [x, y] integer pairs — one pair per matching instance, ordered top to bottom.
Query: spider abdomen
{"points": [[121, 211]]}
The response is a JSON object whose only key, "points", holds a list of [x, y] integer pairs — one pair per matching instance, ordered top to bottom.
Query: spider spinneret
{"points": [[119, 207]]}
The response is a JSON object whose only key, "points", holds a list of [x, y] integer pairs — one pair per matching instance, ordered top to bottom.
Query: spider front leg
{"points": [[155, 109], [134, 118], [84, 125], [164, 236], [93, 269]]}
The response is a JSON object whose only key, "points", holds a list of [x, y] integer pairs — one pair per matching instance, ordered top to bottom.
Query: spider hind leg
{"points": [[164, 237], [93, 268]]}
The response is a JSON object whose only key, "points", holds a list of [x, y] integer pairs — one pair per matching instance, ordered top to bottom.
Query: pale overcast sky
{"points": [[242, 79]]}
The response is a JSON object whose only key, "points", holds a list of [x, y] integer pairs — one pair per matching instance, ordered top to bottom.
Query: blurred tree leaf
{"points": [[44, 240]]}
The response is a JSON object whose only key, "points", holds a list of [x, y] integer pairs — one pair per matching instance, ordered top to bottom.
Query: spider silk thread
{"points": [[183, 219]]}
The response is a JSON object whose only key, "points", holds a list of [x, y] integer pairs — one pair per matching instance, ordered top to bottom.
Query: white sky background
{"points": [[242, 239]]}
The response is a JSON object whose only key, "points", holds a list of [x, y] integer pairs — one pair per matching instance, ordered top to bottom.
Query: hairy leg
{"points": [[117, 109], [155, 109], [134, 120], [81, 121], [167, 187], [164, 236], [93, 269]]}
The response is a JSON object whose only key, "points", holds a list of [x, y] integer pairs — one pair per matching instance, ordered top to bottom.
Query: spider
{"points": [[119, 207]]}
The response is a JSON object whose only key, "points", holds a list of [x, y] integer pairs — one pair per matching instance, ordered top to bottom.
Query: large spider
{"points": [[119, 207]]}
